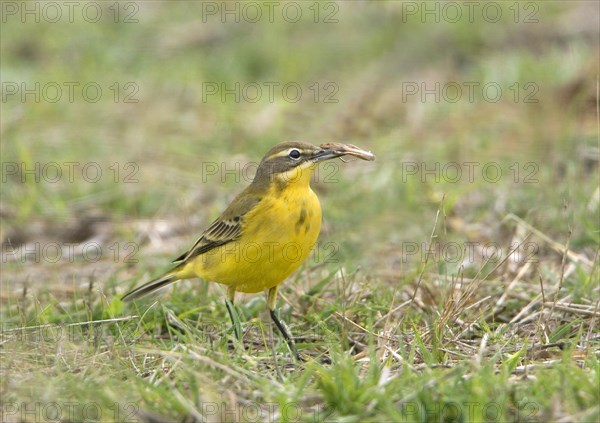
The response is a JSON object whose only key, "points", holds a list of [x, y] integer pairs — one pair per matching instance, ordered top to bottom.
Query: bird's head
{"points": [[292, 162]]}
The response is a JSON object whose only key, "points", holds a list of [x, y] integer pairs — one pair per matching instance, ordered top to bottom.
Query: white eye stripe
{"points": [[285, 153]]}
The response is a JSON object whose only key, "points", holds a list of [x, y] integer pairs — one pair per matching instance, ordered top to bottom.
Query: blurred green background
{"points": [[405, 80]]}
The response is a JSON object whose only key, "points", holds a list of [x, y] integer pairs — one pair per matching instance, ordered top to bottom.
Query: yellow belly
{"points": [[278, 237]]}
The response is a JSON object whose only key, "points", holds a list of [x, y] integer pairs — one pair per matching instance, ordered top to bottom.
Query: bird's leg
{"points": [[271, 303], [235, 319]]}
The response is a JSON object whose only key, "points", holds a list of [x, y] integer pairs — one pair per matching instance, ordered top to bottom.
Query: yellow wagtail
{"points": [[266, 232]]}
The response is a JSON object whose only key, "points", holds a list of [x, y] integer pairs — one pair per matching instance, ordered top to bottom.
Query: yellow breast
{"points": [[278, 236]]}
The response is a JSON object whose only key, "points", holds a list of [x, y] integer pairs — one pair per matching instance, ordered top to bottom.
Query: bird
{"points": [[264, 235]]}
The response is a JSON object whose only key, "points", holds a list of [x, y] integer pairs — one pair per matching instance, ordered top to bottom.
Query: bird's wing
{"points": [[227, 228]]}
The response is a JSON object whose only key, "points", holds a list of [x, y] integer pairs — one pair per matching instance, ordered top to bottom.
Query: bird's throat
{"points": [[297, 178]]}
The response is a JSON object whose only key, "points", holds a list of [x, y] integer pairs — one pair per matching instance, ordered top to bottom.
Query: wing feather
{"points": [[227, 228], [220, 232]]}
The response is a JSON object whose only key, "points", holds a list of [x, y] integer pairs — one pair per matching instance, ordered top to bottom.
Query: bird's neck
{"points": [[296, 179]]}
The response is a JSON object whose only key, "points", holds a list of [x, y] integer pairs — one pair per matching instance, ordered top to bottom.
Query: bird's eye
{"points": [[295, 154]]}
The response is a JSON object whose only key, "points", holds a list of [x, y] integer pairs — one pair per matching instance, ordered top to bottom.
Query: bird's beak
{"points": [[333, 150], [325, 154]]}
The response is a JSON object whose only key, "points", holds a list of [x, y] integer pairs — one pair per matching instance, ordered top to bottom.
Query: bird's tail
{"points": [[167, 278]]}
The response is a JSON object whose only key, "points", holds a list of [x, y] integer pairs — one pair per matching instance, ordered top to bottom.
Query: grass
{"points": [[429, 297]]}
